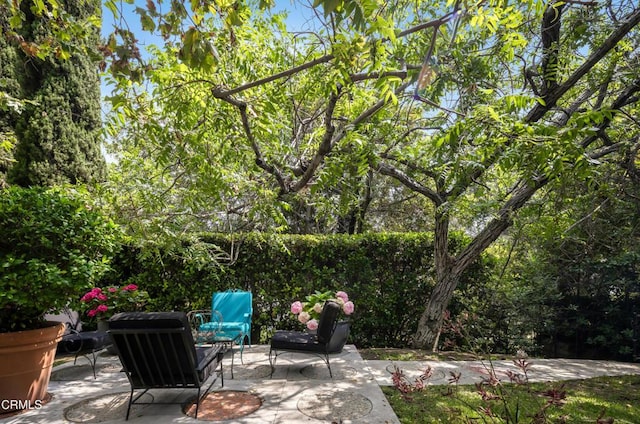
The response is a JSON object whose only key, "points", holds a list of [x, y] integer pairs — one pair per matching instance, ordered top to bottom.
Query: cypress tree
{"points": [[9, 89], [59, 133]]}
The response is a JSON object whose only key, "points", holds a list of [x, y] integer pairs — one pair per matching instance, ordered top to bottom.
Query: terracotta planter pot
{"points": [[103, 325], [26, 358]]}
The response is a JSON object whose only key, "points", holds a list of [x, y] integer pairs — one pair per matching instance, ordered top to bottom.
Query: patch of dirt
{"points": [[225, 405]]}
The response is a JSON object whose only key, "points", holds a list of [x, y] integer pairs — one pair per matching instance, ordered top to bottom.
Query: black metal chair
{"points": [[303, 342], [81, 343], [157, 351]]}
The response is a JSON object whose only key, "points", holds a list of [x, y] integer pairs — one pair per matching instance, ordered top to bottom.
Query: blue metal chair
{"points": [[236, 308]]}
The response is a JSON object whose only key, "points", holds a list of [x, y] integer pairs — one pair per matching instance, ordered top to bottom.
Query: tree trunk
{"points": [[448, 270], [446, 281], [433, 315]]}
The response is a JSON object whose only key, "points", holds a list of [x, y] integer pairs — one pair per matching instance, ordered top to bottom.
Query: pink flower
{"points": [[342, 295], [88, 297], [105, 302], [296, 307], [317, 308], [348, 308], [304, 317], [312, 324]]}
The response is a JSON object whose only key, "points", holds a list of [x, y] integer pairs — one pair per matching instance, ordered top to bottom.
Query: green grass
{"points": [[395, 354], [617, 398]]}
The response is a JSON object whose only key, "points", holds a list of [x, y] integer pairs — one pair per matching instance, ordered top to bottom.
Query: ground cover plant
{"points": [[399, 354], [601, 400]]}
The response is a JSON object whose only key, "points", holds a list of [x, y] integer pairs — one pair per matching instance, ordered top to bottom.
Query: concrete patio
{"points": [[300, 389]]}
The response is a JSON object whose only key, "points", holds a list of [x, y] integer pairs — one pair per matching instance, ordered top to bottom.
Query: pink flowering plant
{"points": [[103, 303], [308, 312]]}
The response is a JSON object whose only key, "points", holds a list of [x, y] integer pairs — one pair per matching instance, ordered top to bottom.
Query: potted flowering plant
{"points": [[55, 244], [103, 303], [308, 313]]}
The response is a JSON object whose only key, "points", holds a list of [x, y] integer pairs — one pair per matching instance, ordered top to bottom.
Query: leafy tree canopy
{"points": [[237, 119]]}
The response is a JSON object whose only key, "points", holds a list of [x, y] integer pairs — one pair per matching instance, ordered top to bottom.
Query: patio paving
{"points": [[299, 391]]}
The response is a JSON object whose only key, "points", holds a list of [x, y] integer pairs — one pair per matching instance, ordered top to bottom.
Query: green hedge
{"points": [[388, 276]]}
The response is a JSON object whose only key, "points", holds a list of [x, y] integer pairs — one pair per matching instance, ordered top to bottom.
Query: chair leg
{"points": [[241, 349], [326, 359], [93, 361], [272, 363], [221, 373], [133, 400], [197, 403], [129, 406]]}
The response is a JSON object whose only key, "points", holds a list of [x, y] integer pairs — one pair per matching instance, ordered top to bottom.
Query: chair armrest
{"points": [[203, 316], [198, 317], [204, 323], [71, 338], [212, 353]]}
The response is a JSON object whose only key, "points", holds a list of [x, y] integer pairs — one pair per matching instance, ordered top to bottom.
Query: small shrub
{"points": [[54, 246]]}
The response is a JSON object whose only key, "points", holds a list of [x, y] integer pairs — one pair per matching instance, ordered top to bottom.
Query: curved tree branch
{"points": [[551, 20], [221, 92], [626, 97], [552, 98], [326, 145], [260, 161], [391, 171]]}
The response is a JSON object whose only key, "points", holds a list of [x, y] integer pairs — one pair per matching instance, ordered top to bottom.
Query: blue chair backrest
{"points": [[235, 306]]}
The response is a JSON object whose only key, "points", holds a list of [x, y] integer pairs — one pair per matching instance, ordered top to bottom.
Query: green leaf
{"points": [[111, 5], [330, 6], [147, 23]]}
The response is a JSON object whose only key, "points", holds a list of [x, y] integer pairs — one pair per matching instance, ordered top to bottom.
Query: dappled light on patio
{"points": [[335, 406]]}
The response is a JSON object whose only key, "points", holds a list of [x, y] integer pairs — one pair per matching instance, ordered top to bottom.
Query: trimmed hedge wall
{"points": [[388, 276]]}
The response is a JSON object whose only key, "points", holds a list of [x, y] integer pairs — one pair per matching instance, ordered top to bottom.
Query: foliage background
{"points": [[54, 246], [382, 273]]}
